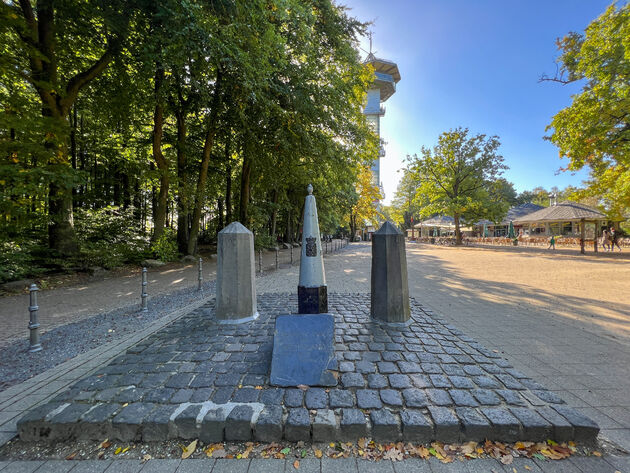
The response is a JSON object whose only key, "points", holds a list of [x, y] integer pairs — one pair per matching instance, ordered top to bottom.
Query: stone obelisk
{"points": [[236, 282], [312, 290]]}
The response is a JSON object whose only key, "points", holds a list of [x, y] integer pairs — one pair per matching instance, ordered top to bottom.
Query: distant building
{"points": [[565, 218], [501, 229]]}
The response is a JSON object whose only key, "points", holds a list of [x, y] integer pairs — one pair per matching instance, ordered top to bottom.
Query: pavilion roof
{"points": [[563, 211], [443, 221]]}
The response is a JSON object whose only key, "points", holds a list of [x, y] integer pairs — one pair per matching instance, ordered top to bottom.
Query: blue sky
{"points": [[475, 64]]}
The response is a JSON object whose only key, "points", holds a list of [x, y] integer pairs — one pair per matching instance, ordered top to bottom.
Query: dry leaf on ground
{"points": [[188, 451]]}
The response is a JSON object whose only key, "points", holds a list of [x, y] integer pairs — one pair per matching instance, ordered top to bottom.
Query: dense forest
{"points": [[131, 129]]}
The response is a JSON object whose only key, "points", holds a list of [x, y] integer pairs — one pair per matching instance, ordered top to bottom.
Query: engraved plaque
{"points": [[311, 246]]}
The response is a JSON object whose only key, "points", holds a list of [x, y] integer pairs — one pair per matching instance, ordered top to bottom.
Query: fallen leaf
{"points": [[258, 387], [303, 387], [125, 404], [105, 444], [124, 449], [118, 450], [188, 451], [247, 451], [285, 451], [303, 453], [318, 453], [596, 453], [100, 454], [394, 455], [71, 456], [146, 457], [507, 459], [296, 465], [527, 467]]}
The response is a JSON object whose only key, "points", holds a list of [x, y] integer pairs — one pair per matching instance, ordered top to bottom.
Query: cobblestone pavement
{"points": [[420, 382]]}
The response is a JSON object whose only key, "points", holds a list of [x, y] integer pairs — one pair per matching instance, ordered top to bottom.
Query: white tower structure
{"points": [[386, 76]]}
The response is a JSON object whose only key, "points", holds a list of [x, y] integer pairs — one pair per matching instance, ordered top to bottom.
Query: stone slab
{"points": [[303, 350]]}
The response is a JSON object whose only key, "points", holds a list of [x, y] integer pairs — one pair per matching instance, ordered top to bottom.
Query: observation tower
{"points": [[386, 76]]}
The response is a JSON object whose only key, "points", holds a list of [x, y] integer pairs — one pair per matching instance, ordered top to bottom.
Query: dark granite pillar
{"points": [[390, 289]]}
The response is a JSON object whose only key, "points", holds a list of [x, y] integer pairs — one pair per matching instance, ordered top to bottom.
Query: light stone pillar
{"points": [[236, 280], [390, 288], [312, 289]]}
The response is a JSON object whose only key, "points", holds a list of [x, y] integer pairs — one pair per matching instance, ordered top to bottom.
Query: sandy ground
{"points": [[591, 288]]}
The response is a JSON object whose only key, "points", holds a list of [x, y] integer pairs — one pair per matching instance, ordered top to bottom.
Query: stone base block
{"points": [[312, 300], [303, 350]]}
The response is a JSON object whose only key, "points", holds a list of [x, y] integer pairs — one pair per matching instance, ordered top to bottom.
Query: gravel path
{"points": [[67, 341]]}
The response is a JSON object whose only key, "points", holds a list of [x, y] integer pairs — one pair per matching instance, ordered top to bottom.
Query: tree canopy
{"points": [[594, 131]]}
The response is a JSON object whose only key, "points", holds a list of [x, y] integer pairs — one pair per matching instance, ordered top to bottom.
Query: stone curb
{"points": [[142, 421]]}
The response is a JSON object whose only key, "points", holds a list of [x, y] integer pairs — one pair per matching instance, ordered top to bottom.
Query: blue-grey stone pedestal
{"points": [[390, 289], [303, 350]]}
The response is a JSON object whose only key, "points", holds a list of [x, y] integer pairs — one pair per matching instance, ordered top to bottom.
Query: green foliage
{"points": [[594, 131], [459, 178], [263, 240], [165, 247], [16, 261]]}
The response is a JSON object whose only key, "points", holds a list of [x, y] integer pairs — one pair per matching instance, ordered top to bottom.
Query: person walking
{"points": [[614, 237], [605, 238], [552, 242]]}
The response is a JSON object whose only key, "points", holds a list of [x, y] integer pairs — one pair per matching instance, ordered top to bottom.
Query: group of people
{"points": [[609, 239]]}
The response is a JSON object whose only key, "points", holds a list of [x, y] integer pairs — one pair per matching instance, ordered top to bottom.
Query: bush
{"points": [[110, 237], [262, 241], [165, 248], [16, 261]]}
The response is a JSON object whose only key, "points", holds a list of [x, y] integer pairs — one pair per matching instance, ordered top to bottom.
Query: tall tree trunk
{"points": [[205, 161], [161, 162], [246, 172], [228, 179], [228, 196], [183, 199], [274, 213], [220, 225], [458, 232], [288, 236]]}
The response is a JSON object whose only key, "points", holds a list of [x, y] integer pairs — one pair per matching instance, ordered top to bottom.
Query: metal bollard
{"points": [[326, 252], [291, 254], [277, 258], [260, 261], [200, 278], [145, 297], [33, 324]]}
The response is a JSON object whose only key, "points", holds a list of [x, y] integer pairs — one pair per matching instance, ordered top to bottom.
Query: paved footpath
{"points": [[585, 366]]}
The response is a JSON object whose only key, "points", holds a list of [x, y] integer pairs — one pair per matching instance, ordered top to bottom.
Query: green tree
{"points": [[60, 48], [594, 131], [458, 177], [367, 195]]}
